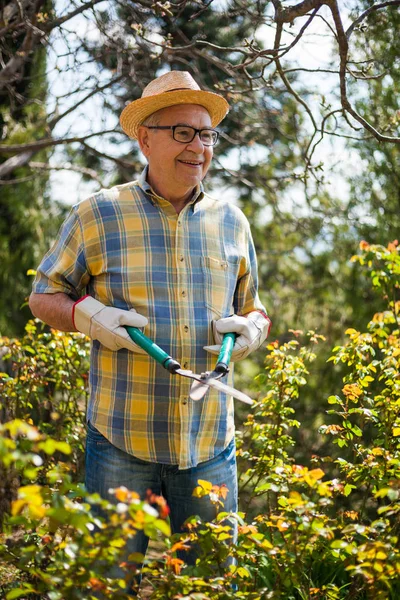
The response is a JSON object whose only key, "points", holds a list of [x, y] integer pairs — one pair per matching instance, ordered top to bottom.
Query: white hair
{"points": [[152, 120]]}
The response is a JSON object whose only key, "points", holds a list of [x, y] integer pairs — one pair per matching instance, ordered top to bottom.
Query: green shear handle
{"points": [[153, 350], [224, 356], [170, 363], [201, 383]]}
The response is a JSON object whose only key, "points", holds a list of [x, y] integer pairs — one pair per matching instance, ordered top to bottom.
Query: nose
{"points": [[196, 145]]}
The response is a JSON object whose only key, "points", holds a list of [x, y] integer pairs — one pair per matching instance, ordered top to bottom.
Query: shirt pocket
{"points": [[220, 279]]}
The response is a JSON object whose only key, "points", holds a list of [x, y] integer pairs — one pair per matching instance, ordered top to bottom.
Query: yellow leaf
{"points": [[396, 431], [377, 451], [316, 474], [206, 485], [29, 491], [198, 492], [121, 494], [295, 499], [17, 507], [282, 525]]}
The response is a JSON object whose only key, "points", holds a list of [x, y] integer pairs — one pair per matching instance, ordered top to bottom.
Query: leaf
{"points": [[333, 400], [356, 430], [316, 474], [206, 485], [347, 489], [163, 526], [136, 557], [243, 572], [17, 593]]}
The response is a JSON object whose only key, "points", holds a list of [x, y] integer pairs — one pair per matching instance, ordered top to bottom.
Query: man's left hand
{"points": [[252, 331]]}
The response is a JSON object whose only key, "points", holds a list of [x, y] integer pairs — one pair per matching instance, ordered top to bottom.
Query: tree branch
{"points": [[366, 13], [50, 25], [343, 54], [96, 90], [48, 142], [14, 162], [67, 167]]}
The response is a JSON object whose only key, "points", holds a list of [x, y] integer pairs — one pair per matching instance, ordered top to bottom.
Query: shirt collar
{"points": [[154, 198]]}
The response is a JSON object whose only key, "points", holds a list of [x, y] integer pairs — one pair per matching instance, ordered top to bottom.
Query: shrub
{"points": [[328, 529]]}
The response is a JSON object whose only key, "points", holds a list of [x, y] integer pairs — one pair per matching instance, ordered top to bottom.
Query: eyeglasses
{"points": [[185, 134]]}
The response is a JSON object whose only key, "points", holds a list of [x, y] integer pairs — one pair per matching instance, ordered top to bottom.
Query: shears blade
{"points": [[197, 389]]}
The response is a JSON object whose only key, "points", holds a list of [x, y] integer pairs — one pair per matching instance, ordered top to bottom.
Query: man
{"points": [[160, 254]]}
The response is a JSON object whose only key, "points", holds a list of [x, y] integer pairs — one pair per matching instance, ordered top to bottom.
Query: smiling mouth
{"points": [[193, 163]]}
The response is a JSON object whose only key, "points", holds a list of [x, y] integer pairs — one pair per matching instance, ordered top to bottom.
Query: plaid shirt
{"points": [[128, 248]]}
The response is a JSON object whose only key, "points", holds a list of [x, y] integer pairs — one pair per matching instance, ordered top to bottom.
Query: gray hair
{"points": [[152, 120]]}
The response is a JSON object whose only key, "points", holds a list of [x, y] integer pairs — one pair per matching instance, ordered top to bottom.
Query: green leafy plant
{"points": [[323, 529]]}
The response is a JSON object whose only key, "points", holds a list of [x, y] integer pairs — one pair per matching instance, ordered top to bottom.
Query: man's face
{"points": [[175, 169]]}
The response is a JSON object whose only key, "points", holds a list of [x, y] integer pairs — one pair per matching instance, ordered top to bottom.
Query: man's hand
{"points": [[106, 323], [252, 331]]}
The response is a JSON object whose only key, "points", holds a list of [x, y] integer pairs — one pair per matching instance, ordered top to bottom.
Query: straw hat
{"points": [[175, 87]]}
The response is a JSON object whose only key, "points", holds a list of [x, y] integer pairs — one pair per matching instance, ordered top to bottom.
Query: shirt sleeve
{"points": [[64, 268], [246, 294]]}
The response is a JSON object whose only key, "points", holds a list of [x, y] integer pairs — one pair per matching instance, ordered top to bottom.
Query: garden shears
{"points": [[201, 383]]}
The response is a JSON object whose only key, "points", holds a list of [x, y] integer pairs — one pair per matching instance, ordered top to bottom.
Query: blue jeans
{"points": [[109, 467]]}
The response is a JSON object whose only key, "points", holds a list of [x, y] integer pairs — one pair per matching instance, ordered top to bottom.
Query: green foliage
{"points": [[375, 188], [27, 217], [48, 383], [324, 528], [52, 542]]}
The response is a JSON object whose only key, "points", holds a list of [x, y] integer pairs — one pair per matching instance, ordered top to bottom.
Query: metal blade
{"points": [[216, 384], [198, 390]]}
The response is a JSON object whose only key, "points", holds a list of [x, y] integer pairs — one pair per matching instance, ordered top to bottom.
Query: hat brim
{"points": [[136, 112]]}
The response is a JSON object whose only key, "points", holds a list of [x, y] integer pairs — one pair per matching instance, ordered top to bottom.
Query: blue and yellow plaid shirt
{"points": [[128, 248]]}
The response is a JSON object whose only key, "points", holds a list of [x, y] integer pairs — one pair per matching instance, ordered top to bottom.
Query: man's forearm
{"points": [[53, 309]]}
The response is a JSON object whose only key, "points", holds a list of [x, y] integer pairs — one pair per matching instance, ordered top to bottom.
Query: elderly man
{"points": [[158, 253]]}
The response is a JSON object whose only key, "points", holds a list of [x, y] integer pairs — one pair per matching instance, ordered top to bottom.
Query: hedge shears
{"points": [[201, 383]]}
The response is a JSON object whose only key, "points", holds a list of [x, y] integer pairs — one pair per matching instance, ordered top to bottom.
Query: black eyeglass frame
{"points": [[173, 127]]}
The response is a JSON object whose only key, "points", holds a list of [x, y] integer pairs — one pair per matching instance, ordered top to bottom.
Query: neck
{"points": [[178, 198]]}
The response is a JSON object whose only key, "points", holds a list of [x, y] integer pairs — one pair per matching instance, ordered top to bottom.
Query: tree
{"points": [[272, 135], [378, 189], [25, 209]]}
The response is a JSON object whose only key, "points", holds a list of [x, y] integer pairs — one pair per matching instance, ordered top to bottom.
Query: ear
{"points": [[144, 141]]}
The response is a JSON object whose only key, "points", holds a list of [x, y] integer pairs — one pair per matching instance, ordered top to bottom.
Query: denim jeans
{"points": [[109, 467]]}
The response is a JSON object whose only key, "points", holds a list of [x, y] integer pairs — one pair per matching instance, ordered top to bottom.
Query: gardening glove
{"points": [[105, 323], [251, 330]]}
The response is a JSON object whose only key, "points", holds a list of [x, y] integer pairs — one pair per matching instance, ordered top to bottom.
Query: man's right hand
{"points": [[106, 323]]}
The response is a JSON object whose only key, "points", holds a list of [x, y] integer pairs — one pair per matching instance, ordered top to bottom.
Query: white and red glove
{"points": [[106, 323], [252, 331]]}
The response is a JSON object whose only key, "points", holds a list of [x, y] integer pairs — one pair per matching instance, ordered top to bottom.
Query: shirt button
{"points": [[179, 223], [181, 258], [183, 294], [186, 328], [185, 365], [184, 401]]}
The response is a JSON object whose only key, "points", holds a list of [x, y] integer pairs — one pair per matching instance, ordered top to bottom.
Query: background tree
{"points": [[269, 158], [26, 212]]}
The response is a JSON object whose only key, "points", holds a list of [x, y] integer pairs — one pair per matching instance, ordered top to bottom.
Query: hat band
{"points": [[177, 90]]}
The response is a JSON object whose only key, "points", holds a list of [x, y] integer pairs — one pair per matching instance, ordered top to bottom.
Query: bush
{"points": [[328, 529]]}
